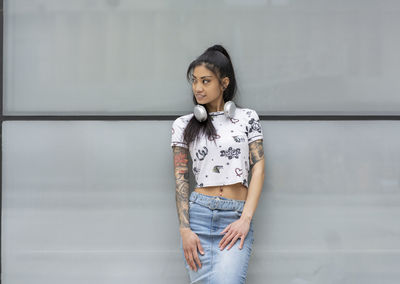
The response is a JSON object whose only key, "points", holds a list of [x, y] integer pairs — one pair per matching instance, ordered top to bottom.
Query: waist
{"points": [[235, 191], [215, 202]]}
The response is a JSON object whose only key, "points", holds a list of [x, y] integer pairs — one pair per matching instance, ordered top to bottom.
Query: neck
{"points": [[216, 105]]}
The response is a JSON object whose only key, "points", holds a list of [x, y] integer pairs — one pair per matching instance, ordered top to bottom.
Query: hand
{"points": [[235, 230], [190, 243]]}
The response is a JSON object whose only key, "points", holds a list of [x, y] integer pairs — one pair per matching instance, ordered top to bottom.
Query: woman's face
{"points": [[206, 86]]}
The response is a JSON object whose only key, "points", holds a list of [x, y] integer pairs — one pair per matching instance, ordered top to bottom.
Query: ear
{"points": [[225, 82]]}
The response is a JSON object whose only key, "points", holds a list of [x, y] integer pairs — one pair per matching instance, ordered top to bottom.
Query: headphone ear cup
{"points": [[229, 109], [200, 112]]}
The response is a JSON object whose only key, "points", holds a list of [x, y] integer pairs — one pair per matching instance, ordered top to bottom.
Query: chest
{"points": [[230, 141]]}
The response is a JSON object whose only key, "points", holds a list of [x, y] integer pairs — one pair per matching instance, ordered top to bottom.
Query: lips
{"points": [[200, 96]]}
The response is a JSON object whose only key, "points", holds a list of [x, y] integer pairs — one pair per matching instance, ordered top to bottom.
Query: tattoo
{"points": [[256, 152], [182, 185]]}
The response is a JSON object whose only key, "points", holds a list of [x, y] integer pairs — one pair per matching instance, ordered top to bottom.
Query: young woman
{"points": [[225, 143]]}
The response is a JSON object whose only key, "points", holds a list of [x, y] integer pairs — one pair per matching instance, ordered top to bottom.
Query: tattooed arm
{"points": [[256, 152], [256, 157], [182, 185], [190, 240]]}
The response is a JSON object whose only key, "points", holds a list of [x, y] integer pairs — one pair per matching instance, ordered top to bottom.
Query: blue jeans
{"points": [[208, 216]]}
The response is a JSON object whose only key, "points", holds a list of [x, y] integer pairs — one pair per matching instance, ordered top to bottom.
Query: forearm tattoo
{"points": [[256, 152], [182, 185]]}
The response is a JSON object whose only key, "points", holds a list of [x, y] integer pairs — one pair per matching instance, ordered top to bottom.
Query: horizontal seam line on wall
{"points": [[172, 117]]}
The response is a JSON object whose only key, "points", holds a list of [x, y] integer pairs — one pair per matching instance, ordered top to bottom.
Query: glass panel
{"points": [[130, 57], [88, 201]]}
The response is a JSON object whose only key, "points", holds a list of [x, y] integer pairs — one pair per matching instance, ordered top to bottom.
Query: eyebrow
{"points": [[202, 77]]}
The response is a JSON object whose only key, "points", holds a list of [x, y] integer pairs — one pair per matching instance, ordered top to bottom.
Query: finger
{"points": [[226, 229], [224, 239], [227, 240], [233, 242], [241, 242], [200, 247], [187, 258], [196, 258], [192, 264]]}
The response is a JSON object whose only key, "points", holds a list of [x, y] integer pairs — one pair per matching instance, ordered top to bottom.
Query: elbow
{"points": [[258, 169], [258, 173]]}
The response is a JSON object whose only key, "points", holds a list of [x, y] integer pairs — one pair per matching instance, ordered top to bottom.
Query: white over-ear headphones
{"points": [[200, 111]]}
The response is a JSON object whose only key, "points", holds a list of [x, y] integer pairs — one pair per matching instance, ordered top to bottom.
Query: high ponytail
{"points": [[219, 48]]}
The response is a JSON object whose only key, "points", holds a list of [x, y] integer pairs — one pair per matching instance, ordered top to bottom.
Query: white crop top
{"points": [[227, 161]]}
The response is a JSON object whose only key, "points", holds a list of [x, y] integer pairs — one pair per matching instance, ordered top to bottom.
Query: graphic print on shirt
{"points": [[234, 120], [254, 125], [215, 137], [238, 138], [230, 153], [200, 154], [225, 159], [216, 169], [196, 171], [238, 172]]}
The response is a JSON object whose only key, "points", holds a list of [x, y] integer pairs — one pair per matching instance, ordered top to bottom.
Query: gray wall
{"points": [[94, 201]]}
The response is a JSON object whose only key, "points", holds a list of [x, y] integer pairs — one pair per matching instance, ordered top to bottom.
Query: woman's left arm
{"points": [[257, 166], [240, 227]]}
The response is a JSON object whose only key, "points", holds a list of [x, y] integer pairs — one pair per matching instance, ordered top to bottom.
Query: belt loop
{"points": [[195, 196], [211, 203]]}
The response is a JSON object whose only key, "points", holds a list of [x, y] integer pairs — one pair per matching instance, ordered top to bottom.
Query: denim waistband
{"points": [[217, 202]]}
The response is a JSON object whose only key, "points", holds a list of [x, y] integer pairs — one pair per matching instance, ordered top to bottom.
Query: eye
{"points": [[205, 80]]}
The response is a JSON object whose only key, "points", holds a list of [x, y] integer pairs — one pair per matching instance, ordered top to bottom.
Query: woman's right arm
{"points": [[182, 186], [190, 241]]}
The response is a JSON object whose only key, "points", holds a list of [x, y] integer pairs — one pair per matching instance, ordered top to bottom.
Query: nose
{"points": [[198, 88]]}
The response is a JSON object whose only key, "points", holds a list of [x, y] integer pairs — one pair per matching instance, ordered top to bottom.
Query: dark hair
{"points": [[217, 60]]}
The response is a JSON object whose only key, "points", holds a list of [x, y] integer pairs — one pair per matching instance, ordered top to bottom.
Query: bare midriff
{"points": [[235, 191]]}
